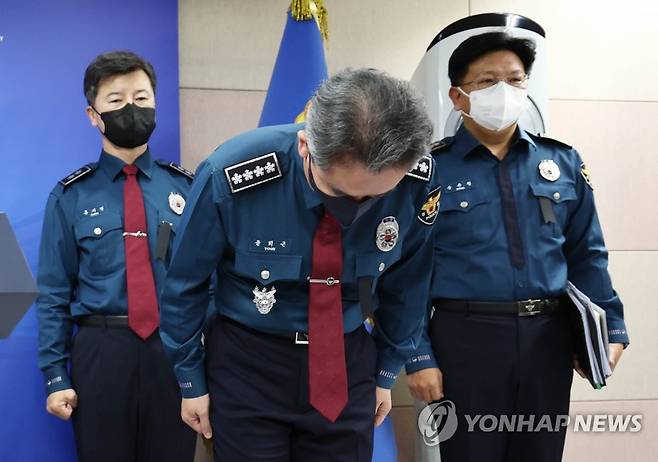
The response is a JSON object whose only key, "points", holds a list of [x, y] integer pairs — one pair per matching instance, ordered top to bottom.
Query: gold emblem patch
{"points": [[585, 173], [430, 208]]}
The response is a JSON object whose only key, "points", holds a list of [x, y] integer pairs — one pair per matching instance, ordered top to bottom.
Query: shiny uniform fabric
{"points": [[261, 237], [471, 247], [82, 260]]}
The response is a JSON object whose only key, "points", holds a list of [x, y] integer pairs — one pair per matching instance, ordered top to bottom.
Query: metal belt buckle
{"points": [[529, 307], [301, 338]]}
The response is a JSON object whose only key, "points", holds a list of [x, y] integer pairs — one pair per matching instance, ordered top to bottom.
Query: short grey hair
{"points": [[367, 116]]}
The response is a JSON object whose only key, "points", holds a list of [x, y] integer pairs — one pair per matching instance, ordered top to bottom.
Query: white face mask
{"points": [[498, 106]]}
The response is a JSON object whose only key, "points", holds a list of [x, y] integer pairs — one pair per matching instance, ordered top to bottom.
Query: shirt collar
{"points": [[525, 136], [469, 144], [112, 165], [311, 197]]}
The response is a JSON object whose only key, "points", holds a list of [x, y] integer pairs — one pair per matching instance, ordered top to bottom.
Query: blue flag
{"points": [[299, 70]]}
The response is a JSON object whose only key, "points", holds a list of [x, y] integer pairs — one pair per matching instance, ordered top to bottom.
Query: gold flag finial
{"points": [[303, 10]]}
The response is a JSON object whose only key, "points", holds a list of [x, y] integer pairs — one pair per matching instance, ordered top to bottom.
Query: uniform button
{"points": [[556, 196], [463, 204], [97, 231], [381, 267], [264, 274], [521, 284]]}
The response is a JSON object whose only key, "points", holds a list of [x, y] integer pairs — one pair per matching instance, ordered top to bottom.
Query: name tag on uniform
{"points": [[268, 245]]}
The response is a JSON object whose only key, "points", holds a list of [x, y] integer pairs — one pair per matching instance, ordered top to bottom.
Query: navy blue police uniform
{"points": [[250, 220], [509, 235], [128, 398]]}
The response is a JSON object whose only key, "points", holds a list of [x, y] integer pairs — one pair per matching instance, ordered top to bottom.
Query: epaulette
{"points": [[550, 141], [442, 145], [177, 168], [423, 169], [253, 172], [79, 173]]}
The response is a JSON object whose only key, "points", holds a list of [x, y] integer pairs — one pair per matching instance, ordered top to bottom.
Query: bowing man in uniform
{"points": [[307, 228]]}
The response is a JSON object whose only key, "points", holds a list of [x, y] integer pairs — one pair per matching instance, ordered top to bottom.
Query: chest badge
{"points": [[549, 170], [176, 203], [387, 234], [264, 299]]}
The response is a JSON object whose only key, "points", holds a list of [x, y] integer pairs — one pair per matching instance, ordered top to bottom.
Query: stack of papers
{"points": [[591, 329]]}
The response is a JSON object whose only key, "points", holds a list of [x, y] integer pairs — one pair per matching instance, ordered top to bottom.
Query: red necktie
{"points": [[142, 301], [326, 346]]}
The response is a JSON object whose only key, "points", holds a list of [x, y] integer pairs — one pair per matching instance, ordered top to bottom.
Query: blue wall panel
{"points": [[45, 47]]}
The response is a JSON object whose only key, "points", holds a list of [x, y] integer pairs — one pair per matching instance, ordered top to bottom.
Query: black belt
{"points": [[530, 307], [97, 320], [298, 338]]}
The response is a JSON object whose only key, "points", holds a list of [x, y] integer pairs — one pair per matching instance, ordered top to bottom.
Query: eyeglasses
{"points": [[518, 81]]}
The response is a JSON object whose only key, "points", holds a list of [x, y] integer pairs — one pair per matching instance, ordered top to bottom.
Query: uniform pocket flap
{"points": [[556, 192], [463, 201], [169, 218], [97, 227], [375, 263], [268, 268]]}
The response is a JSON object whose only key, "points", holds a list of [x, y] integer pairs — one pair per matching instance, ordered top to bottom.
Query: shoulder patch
{"points": [[550, 141], [439, 146], [174, 166], [423, 169], [253, 172], [79, 173], [585, 174], [430, 209]]}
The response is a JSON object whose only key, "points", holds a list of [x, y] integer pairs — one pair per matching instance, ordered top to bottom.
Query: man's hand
{"points": [[616, 349], [426, 384], [61, 403], [383, 406], [195, 412]]}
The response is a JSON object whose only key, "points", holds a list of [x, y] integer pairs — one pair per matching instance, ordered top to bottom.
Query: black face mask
{"points": [[130, 126], [342, 208]]}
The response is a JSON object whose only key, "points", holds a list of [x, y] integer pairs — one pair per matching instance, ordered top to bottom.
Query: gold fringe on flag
{"points": [[303, 10], [301, 117]]}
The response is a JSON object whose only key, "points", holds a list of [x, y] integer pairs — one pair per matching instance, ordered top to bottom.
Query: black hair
{"points": [[477, 46], [110, 64]]}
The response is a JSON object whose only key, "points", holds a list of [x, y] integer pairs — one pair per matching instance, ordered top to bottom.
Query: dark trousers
{"points": [[504, 365], [128, 399], [259, 399]]}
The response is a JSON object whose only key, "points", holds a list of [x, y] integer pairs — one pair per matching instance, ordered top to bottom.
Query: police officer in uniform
{"points": [[517, 220], [306, 227], [104, 252]]}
